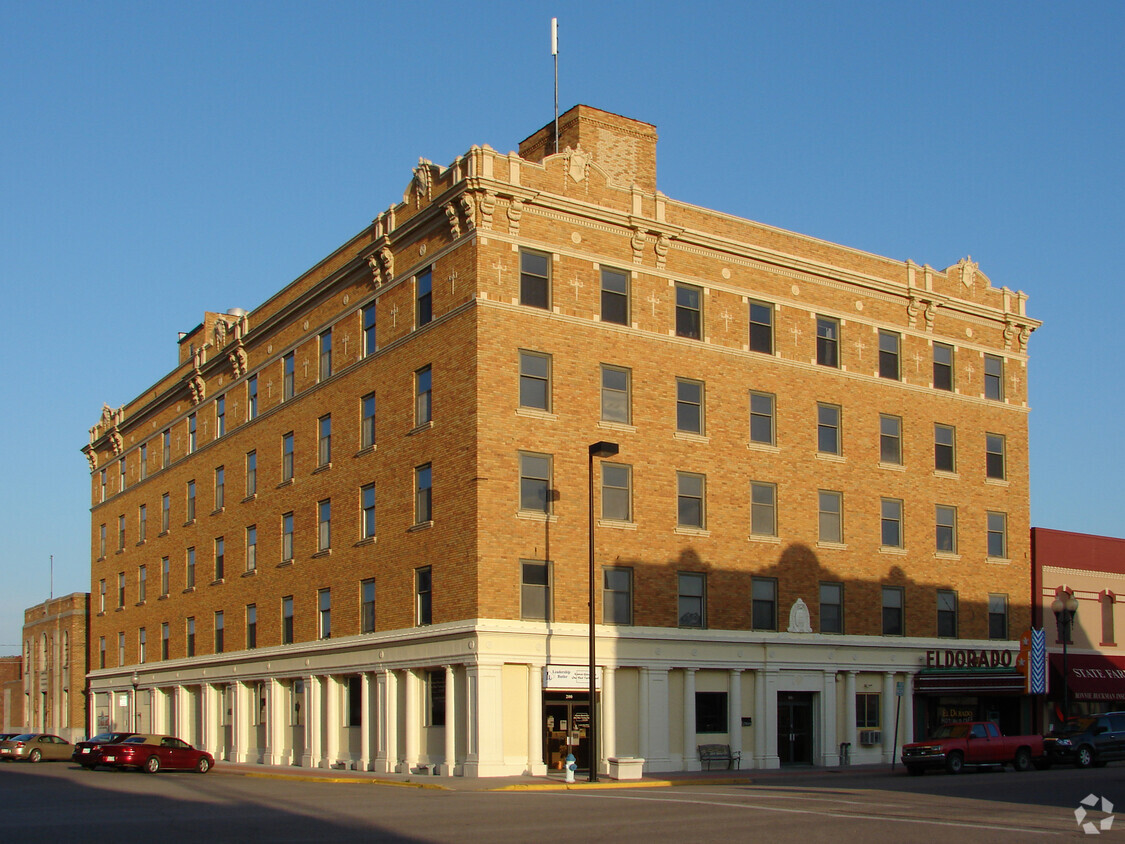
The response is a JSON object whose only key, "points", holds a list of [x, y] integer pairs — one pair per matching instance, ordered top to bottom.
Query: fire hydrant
{"points": [[571, 767]]}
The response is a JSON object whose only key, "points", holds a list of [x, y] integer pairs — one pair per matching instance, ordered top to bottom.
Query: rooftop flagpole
{"points": [[555, 53]]}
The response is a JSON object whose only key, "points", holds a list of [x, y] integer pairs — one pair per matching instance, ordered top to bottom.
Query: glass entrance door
{"points": [[795, 728], [566, 729]]}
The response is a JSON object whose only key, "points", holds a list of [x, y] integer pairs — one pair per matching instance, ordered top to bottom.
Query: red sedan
{"points": [[152, 753]]}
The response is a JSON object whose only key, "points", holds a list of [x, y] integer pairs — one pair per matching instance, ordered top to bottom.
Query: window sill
{"points": [[536, 413], [623, 427], [417, 429], [691, 437], [766, 447], [367, 449], [831, 458], [323, 467], [894, 467], [941, 473], [996, 481], [286, 482], [250, 497], [217, 511], [533, 516], [189, 523], [617, 524], [420, 526], [683, 530], [162, 533], [761, 537], [367, 540], [139, 543], [832, 546], [892, 550], [119, 551], [325, 552], [946, 555], [102, 557], [998, 561], [284, 563], [250, 573], [217, 581], [189, 589], [162, 598], [140, 603], [118, 609], [101, 613]]}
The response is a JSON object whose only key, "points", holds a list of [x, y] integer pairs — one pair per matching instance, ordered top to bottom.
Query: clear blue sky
{"points": [[162, 159]]}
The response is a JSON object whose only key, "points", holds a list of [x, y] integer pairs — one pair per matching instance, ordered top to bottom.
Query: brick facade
{"points": [[54, 676]]}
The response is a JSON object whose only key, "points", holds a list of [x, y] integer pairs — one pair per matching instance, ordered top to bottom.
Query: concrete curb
{"points": [[334, 780], [580, 786]]}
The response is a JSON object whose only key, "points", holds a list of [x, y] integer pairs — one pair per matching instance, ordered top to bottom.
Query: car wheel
{"points": [[35, 756], [1084, 758], [955, 762], [1022, 762], [152, 765], [203, 765], [915, 770]]}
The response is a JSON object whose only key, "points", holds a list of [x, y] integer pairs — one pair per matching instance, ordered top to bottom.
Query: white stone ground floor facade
{"points": [[503, 698]]}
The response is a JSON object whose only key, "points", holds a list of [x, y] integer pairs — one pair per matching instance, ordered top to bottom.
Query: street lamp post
{"points": [[598, 449], [1064, 610], [136, 714]]}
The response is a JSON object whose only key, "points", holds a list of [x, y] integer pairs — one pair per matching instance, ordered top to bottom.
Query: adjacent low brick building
{"points": [[352, 526], [54, 666], [11, 695]]}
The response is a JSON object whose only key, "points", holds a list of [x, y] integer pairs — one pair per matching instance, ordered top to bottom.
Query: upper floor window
{"points": [[535, 279], [615, 296], [424, 297], [689, 311], [761, 328], [369, 329], [827, 341], [889, 350], [325, 363], [943, 367], [288, 371], [994, 377], [535, 380], [616, 383], [423, 396], [252, 397], [689, 406], [220, 416], [762, 418], [367, 421], [828, 429], [191, 433], [324, 440], [890, 440], [945, 441], [994, 445], [166, 449], [287, 457], [144, 461], [251, 473], [121, 475], [535, 483], [220, 487], [617, 492], [423, 494], [101, 496], [190, 501], [763, 509], [367, 511], [691, 511], [165, 512], [830, 516], [945, 519], [891, 522], [324, 525], [998, 535], [286, 537], [252, 548], [220, 558], [535, 590], [423, 595], [617, 595], [692, 600], [367, 606], [324, 608], [831, 608], [763, 611], [892, 611], [947, 613], [997, 616], [287, 620], [251, 626], [220, 632]]}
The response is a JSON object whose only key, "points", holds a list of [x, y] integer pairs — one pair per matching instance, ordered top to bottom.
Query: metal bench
{"points": [[710, 753]]}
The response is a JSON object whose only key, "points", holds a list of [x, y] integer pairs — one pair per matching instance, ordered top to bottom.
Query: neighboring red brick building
{"points": [[351, 526], [11, 694]]}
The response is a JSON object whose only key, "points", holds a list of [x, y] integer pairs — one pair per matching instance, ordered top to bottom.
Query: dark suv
{"points": [[1088, 740]]}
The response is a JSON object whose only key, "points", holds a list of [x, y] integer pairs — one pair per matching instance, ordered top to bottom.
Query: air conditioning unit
{"points": [[870, 738]]}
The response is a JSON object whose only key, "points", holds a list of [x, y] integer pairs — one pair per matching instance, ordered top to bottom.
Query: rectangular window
{"points": [[535, 279], [615, 296], [424, 297], [689, 311], [761, 328], [827, 342], [369, 345], [889, 345], [325, 360], [943, 367], [288, 373], [994, 377], [535, 380], [423, 396], [252, 398], [616, 400], [689, 406], [220, 416], [762, 418], [367, 421], [828, 429], [191, 434], [324, 440], [890, 440], [166, 449], [945, 455], [287, 457], [144, 461], [994, 462], [251, 473], [121, 475], [102, 480], [535, 483], [220, 487], [617, 492], [423, 494], [190, 501], [691, 506], [763, 509], [367, 510], [890, 510], [945, 520], [831, 522], [142, 523], [324, 525], [121, 533], [998, 535], [287, 537], [101, 541], [252, 548], [220, 554], [189, 569], [165, 575], [142, 584], [121, 589], [535, 591], [101, 595], [617, 595], [423, 596], [1106, 599], [692, 600], [367, 606], [831, 608], [892, 611], [324, 612], [763, 612], [947, 613], [997, 616], [287, 620], [251, 626], [189, 627], [220, 632], [165, 635], [120, 648], [101, 652], [435, 698], [355, 701], [867, 710], [711, 712]]}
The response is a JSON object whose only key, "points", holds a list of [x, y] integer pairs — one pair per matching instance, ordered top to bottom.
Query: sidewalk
{"points": [[550, 782]]}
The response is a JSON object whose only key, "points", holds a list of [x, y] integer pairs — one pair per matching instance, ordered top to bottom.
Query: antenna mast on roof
{"points": [[555, 53]]}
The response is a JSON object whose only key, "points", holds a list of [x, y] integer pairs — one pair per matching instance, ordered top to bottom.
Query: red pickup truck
{"points": [[953, 746]]}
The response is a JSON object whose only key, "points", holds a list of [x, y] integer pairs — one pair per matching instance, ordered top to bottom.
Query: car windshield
{"points": [[1075, 725], [951, 731], [24, 737], [100, 737], [134, 740]]}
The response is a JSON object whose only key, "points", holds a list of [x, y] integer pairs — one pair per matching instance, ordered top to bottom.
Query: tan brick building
{"points": [[351, 527], [54, 666], [11, 695]]}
